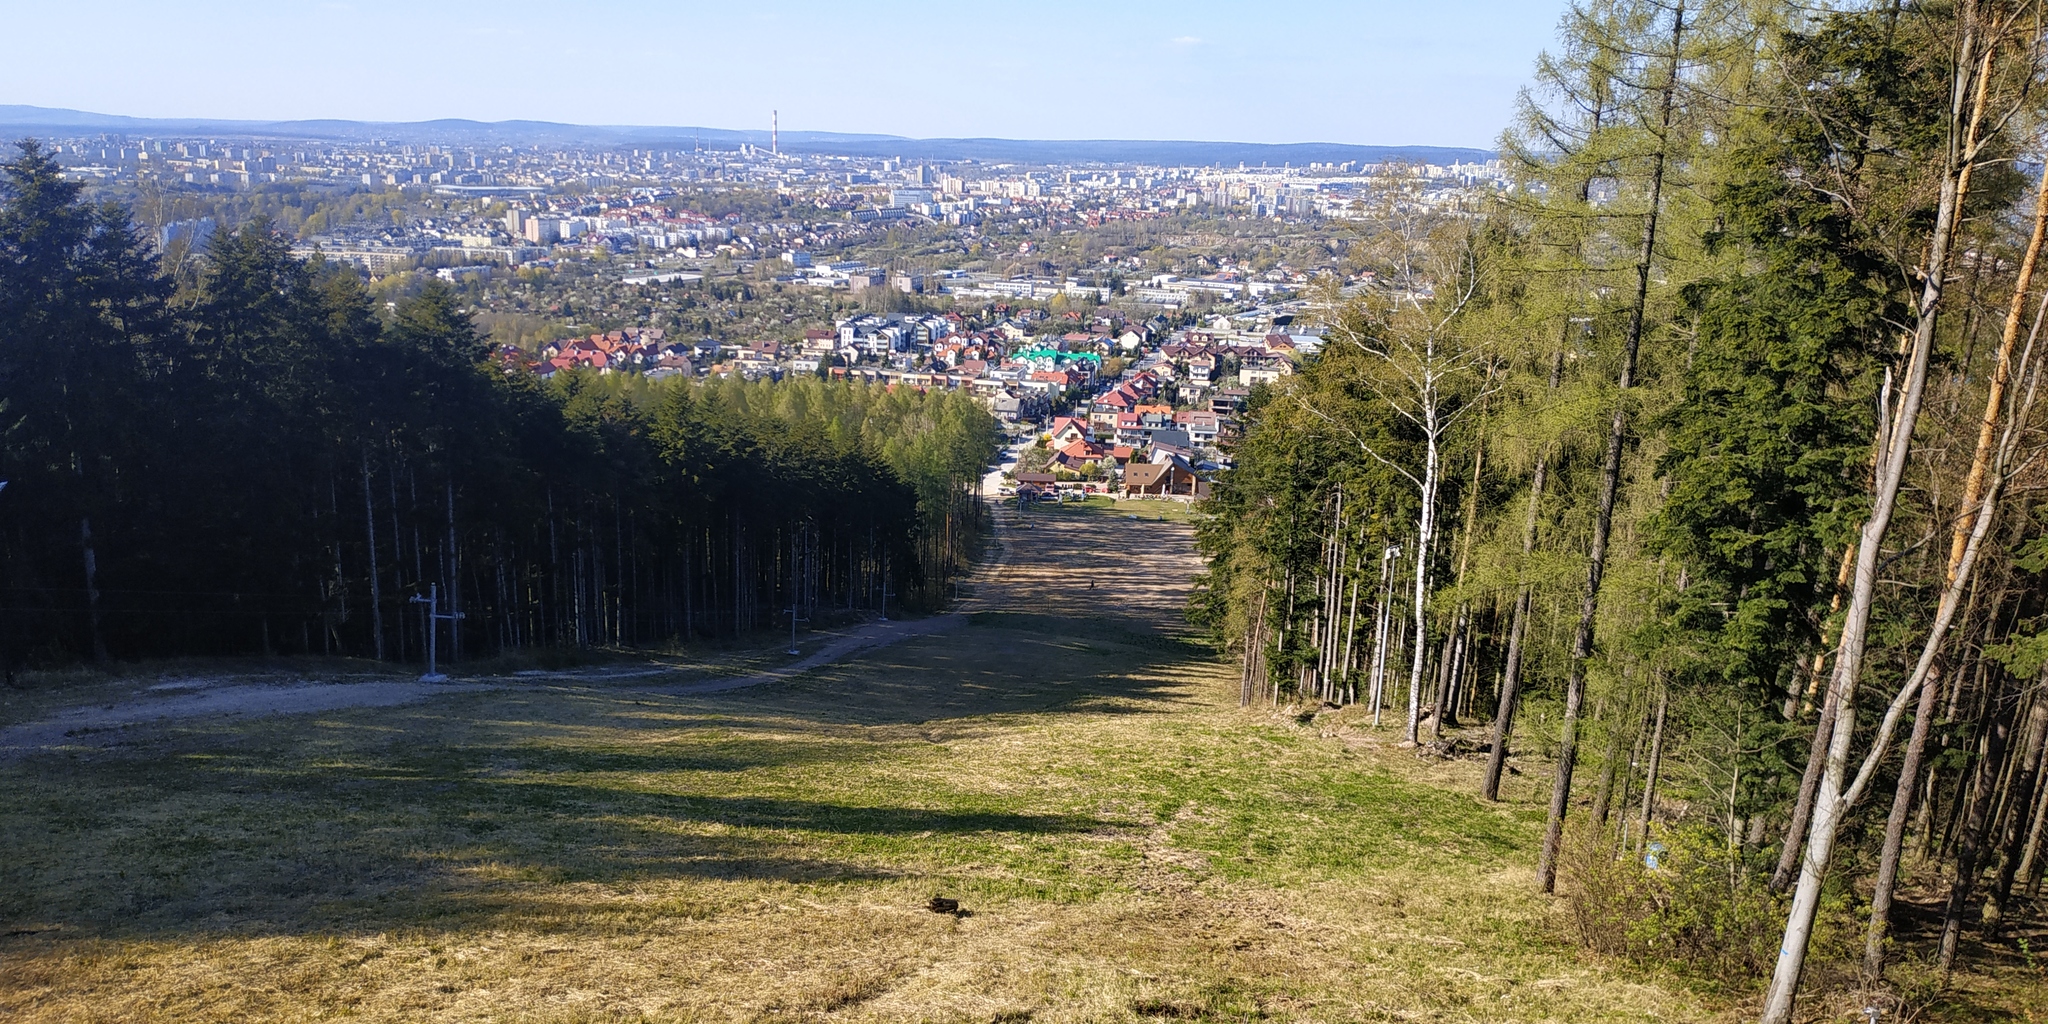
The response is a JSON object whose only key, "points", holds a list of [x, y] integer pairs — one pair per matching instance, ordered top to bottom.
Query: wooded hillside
{"points": [[261, 459], [1705, 466]]}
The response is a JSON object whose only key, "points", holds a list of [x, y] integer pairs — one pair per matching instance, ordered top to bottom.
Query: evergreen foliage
{"points": [[1707, 301], [266, 461]]}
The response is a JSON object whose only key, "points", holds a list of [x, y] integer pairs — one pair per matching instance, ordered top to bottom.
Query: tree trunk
{"points": [[2001, 376], [1610, 484], [1425, 534], [454, 574], [376, 584], [92, 588], [1382, 626], [1251, 642], [1456, 650], [1459, 651], [1446, 664], [1511, 675], [1349, 693], [1656, 762], [2027, 773], [1603, 794], [1802, 805], [1828, 810], [1895, 834], [1970, 843], [2029, 877]]}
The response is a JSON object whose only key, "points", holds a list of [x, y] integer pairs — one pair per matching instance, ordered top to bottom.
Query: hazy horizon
{"points": [[1313, 71], [86, 116]]}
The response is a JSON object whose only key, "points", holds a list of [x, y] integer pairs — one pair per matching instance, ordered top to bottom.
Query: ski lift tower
{"points": [[434, 615]]}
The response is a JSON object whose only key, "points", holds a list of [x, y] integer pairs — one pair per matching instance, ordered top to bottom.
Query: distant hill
{"points": [[27, 120]]}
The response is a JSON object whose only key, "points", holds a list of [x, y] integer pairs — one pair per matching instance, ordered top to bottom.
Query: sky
{"points": [[1368, 72]]}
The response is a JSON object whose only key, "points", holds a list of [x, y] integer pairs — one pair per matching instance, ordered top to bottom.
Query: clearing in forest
{"points": [[1123, 841]]}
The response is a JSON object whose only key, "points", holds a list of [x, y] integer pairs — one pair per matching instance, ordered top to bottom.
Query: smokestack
{"points": [[775, 132]]}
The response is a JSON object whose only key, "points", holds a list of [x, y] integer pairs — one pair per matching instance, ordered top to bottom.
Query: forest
{"points": [[255, 456], [1705, 467]]}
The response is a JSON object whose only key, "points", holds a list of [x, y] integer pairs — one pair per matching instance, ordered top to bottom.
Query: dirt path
{"points": [[1088, 565], [868, 637], [100, 725]]}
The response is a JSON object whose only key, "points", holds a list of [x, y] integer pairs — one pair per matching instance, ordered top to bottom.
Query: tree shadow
{"points": [[1002, 663], [494, 809], [250, 845]]}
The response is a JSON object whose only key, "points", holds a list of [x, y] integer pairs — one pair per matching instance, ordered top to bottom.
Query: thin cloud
{"points": [[1186, 41]]}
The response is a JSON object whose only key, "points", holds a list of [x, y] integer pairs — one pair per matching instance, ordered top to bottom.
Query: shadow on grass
{"points": [[1120, 630], [1003, 663], [476, 810], [254, 845]]}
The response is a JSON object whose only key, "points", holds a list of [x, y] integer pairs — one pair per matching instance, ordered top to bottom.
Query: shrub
{"points": [[1701, 909]]}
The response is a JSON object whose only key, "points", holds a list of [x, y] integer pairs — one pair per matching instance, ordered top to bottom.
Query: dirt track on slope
{"points": [[1087, 564], [867, 637], [101, 725]]}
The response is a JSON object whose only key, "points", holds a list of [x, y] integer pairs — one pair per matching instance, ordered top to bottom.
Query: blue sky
{"points": [[1366, 71]]}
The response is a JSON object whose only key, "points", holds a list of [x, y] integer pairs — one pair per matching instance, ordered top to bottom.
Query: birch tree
{"points": [[1978, 30], [1420, 368]]}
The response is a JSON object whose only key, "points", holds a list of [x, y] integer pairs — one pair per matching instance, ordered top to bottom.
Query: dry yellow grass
{"points": [[1127, 843]]}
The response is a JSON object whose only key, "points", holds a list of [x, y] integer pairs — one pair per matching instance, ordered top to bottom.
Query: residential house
{"points": [[1263, 371], [1228, 401], [1004, 406], [1202, 427], [1067, 429], [1130, 429], [1172, 440], [1080, 454], [1173, 477], [1034, 484]]}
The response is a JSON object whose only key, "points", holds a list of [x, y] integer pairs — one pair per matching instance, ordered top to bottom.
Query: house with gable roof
{"points": [[1067, 429], [1080, 454], [1172, 478]]}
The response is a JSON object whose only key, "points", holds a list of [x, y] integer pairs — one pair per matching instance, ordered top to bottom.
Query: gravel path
{"points": [[99, 725], [102, 725]]}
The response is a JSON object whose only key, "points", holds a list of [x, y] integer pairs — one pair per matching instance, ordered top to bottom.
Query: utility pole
{"points": [[434, 614]]}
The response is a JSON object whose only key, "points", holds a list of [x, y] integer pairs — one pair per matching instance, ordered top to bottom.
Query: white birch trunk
{"points": [[1829, 807]]}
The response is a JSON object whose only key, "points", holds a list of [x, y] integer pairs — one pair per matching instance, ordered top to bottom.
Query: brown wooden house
{"points": [[1172, 477]]}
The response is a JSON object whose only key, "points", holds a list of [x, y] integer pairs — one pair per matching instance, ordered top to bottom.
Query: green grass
{"points": [[1147, 509], [1128, 843], [1129, 847]]}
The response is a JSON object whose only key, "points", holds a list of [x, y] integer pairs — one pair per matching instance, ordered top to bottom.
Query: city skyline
{"points": [[1198, 71]]}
